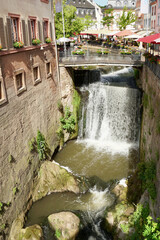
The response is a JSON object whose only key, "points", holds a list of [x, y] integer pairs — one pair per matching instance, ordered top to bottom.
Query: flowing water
{"points": [[106, 149]]}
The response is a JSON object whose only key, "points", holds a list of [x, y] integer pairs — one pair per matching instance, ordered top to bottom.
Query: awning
{"points": [[103, 31], [124, 33], [144, 33], [133, 36], [149, 39], [156, 41]]}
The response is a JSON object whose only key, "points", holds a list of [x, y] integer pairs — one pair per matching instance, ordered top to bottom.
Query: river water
{"points": [[106, 149]]}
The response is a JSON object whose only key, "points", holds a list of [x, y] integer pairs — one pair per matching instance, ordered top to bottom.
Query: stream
{"points": [[107, 149]]}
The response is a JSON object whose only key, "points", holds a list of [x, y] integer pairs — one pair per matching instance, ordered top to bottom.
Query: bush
{"points": [[68, 121], [42, 147]]}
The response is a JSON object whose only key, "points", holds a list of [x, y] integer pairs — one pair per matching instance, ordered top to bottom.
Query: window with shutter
{"points": [[33, 27], [19, 81]]}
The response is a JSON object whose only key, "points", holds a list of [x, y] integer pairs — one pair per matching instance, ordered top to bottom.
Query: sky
{"points": [[101, 2]]}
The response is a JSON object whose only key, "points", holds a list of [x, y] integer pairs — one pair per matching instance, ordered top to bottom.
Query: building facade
{"points": [[88, 7], [117, 7], [158, 17], [29, 92]]}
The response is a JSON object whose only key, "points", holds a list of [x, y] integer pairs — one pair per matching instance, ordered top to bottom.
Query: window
{"points": [[33, 22], [15, 26], [46, 28], [48, 69], [36, 74], [19, 81], [3, 97]]}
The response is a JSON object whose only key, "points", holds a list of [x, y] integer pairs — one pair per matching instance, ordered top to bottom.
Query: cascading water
{"points": [[110, 119], [108, 139]]}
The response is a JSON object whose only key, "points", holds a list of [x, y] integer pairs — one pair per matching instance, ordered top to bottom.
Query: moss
{"points": [[136, 73], [145, 100], [76, 105], [10, 158], [32, 232]]}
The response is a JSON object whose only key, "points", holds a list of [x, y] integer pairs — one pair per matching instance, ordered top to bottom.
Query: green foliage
{"points": [[108, 18], [126, 19], [88, 22], [73, 24], [48, 40], [36, 41], [19, 44], [145, 100], [60, 106], [68, 121], [60, 132], [32, 145], [42, 147], [10, 158], [147, 174], [15, 190], [1, 207], [2, 227], [125, 227], [152, 229], [58, 233]]}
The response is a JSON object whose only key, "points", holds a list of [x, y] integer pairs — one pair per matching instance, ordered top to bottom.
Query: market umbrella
{"points": [[124, 33], [133, 36], [63, 40]]}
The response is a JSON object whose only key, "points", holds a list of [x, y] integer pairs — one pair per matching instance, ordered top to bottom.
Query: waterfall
{"points": [[110, 119]]}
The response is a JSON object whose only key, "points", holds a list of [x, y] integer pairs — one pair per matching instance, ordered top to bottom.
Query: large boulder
{"points": [[53, 178], [65, 224], [32, 233]]}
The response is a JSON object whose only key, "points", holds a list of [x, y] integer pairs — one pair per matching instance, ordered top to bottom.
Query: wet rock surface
{"points": [[66, 225]]}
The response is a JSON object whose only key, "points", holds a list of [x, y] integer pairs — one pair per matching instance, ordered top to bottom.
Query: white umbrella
{"points": [[133, 36], [63, 40]]}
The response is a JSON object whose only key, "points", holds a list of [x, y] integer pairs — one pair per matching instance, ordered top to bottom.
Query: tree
{"points": [[108, 19], [126, 19], [88, 21], [72, 23]]}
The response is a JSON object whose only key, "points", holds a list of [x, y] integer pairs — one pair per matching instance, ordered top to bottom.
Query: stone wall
{"points": [[20, 118], [150, 133]]}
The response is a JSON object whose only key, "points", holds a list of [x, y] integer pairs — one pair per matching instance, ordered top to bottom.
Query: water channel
{"points": [[106, 149]]}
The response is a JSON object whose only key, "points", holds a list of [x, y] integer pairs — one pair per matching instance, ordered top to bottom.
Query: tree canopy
{"points": [[108, 19], [126, 19], [73, 24]]}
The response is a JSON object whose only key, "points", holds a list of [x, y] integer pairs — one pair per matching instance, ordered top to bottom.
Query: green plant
{"points": [[48, 40], [36, 41], [18, 44], [0, 47], [78, 52], [145, 100], [60, 106], [68, 121], [60, 132], [32, 144], [42, 147], [10, 158], [147, 174], [15, 190], [1, 207], [2, 227], [152, 229], [58, 233]]}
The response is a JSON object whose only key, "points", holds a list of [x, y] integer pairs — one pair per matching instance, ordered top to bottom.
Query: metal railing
{"points": [[94, 58], [155, 68]]}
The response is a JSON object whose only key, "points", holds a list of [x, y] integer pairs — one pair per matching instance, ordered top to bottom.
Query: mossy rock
{"points": [[53, 178], [31, 233]]}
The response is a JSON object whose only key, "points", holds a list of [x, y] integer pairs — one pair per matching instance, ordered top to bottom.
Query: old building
{"points": [[118, 6], [88, 7], [158, 16], [29, 91]]}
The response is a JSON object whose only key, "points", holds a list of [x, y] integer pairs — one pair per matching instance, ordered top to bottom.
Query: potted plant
{"points": [[48, 40], [36, 41], [18, 44], [0, 47], [99, 51], [78, 52], [105, 52]]}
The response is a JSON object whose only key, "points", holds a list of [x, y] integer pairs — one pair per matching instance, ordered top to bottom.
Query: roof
{"points": [[81, 4], [124, 33], [149, 39]]}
